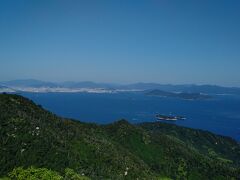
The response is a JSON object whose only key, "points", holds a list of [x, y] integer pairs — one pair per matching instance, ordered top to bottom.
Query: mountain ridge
{"points": [[32, 136]]}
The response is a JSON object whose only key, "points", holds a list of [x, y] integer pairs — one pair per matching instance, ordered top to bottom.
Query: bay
{"points": [[220, 115]]}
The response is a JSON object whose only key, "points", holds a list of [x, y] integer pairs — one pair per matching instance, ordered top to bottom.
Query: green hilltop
{"points": [[35, 140]]}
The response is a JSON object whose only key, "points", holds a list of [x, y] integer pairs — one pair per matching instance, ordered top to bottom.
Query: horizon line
{"points": [[117, 83]]}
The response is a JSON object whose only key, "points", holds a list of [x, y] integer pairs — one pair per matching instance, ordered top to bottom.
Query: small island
{"points": [[181, 95], [169, 118]]}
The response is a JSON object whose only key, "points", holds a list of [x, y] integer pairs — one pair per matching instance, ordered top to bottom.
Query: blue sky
{"points": [[121, 41]]}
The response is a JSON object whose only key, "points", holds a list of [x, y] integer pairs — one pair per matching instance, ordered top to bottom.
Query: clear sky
{"points": [[121, 41]]}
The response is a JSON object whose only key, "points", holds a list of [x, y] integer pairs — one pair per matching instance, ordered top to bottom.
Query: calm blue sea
{"points": [[220, 115]]}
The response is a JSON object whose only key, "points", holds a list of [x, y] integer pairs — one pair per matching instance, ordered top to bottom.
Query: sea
{"points": [[220, 115]]}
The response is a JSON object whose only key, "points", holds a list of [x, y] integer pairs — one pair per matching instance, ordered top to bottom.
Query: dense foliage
{"points": [[31, 136], [33, 173]]}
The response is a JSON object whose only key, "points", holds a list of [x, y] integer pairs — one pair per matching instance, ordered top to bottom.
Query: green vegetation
{"points": [[63, 148], [33, 173]]}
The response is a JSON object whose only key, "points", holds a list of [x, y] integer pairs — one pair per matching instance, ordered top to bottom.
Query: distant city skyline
{"points": [[166, 42]]}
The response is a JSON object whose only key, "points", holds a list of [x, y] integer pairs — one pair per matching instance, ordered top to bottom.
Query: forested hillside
{"points": [[31, 136]]}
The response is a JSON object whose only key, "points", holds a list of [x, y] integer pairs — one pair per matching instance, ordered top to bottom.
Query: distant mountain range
{"points": [[28, 83], [69, 85], [189, 88], [6, 89]]}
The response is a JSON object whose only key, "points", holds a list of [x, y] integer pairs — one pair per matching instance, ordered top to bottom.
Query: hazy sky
{"points": [[123, 41]]}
